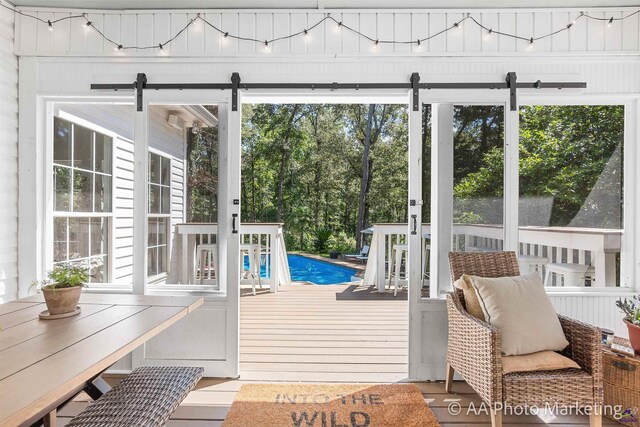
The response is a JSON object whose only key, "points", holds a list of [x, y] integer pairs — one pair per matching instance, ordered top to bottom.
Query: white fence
{"points": [[268, 237], [598, 248]]}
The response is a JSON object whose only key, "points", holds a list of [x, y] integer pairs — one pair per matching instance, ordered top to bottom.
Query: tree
{"points": [[569, 155], [303, 165]]}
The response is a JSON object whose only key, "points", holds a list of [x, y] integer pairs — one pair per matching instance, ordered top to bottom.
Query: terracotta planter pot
{"points": [[61, 300], [634, 336]]}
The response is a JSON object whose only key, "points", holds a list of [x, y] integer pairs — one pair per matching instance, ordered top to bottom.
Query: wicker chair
{"points": [[474, 351]]}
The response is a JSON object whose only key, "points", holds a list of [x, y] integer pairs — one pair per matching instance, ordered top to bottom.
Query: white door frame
{"points": [[220, 306], [428, 317]]}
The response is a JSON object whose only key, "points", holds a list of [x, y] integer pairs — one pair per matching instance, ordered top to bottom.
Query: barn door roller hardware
{"points": [[413, 85]]}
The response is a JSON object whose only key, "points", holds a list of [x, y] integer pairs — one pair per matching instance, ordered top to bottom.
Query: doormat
{"points": [[329, 405]]}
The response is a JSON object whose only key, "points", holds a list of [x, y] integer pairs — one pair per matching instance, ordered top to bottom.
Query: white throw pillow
{"points": [[520, 308]]}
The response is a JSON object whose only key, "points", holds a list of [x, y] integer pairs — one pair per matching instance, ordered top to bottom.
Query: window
{"points": [[478, 175], [82, 176], [571, 193], [159, 214]]}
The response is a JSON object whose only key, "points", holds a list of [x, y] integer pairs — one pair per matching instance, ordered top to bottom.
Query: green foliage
{"points": [[319, 148], [569, 155], [302, 165], [322, 236], [342, 243], [66, 276], [630, 308]]}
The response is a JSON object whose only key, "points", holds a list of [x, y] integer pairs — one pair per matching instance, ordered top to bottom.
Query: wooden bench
{"points": [[146, 398]]}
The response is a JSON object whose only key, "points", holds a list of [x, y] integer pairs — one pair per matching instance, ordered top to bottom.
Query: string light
{"points": [[576, 20], [117, 46]]}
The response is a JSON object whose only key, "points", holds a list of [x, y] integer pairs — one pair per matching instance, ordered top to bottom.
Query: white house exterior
{"points": [[57, 68]]}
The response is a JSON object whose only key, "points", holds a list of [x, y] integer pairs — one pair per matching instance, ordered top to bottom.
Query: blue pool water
{"points": [[304, 269]]}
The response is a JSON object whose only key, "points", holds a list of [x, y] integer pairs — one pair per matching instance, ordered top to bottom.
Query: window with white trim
{"points": [[571, 194], [82, 198], [159, 214]]}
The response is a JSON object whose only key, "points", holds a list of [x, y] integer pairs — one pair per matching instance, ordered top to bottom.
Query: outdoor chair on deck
{"points": [[362, 256], [474, 351]]}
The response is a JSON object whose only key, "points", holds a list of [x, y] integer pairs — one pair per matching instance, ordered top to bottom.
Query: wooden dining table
{"points": [[45, 363]]}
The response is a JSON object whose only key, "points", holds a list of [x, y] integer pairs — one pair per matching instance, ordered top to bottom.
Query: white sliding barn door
{"points": [[428, 317], [209, 336]]}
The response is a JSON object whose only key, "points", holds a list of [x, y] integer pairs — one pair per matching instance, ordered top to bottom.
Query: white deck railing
{"points": [[269, 238], [591, 246]]}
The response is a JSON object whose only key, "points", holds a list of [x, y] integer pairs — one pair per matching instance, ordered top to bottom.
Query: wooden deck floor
{"points": [[323, 333], [326, 334]]}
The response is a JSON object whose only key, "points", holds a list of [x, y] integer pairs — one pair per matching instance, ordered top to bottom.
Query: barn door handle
{"points": [[414, 218], [234, 230]]}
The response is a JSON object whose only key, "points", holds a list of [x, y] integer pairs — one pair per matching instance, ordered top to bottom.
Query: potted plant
{"points": [[341, 244], [62, 290], [631, 309]]}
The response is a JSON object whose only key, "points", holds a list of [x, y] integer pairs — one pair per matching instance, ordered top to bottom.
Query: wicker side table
{"points": [[621, 382]]}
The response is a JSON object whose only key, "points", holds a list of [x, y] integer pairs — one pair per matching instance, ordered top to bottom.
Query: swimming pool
{"points": [[305, 269]]}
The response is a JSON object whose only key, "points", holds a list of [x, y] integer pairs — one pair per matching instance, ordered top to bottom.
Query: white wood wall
{"points": [[146, 28], [606, 58], [8, 160]]}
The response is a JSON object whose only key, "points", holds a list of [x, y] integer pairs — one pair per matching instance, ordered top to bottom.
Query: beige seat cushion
{"points": [[471, 301], [521, 309], [540, 361]]}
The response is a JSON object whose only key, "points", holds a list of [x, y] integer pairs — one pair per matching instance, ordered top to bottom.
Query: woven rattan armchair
{"points": [[474, 352]]}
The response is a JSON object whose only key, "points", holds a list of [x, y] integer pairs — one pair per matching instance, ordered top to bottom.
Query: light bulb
{"points": [[610, 23], [196, 24], [50, 25], [306, 34], [488, 35], [117, 48]]}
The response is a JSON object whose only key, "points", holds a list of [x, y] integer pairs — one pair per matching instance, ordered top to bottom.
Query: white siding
{"points": [[146, 28], [167, 141], [170, 142], [8, 160], [596, 310]]}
